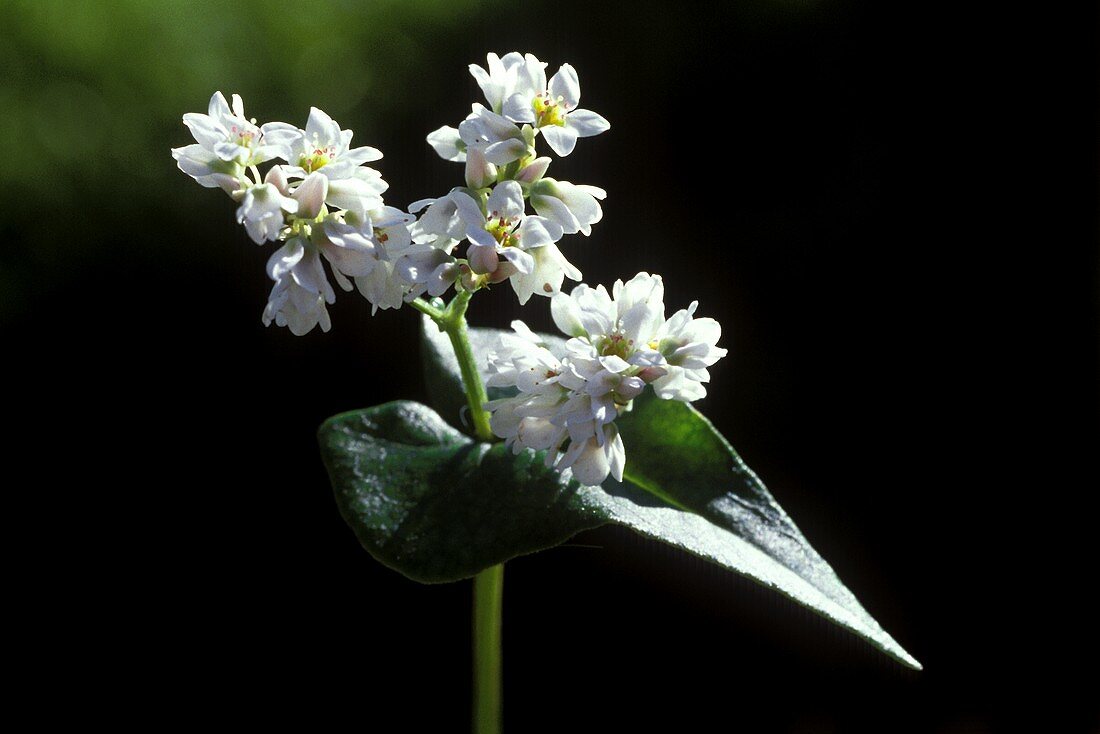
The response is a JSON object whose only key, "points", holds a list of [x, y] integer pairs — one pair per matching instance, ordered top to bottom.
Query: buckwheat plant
{"points": [[422, 496]]}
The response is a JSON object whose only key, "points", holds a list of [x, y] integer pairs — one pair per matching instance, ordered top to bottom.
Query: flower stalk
{"points": [[489, 584]]}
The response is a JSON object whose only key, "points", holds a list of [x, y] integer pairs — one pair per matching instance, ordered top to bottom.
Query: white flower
{"points": [[499, 82], [552, 108], [499, 139], [487, 140], [226, 142], [448, 144], [324, 148], [574, 207], [262, 209], [439, 220], [503, 230], [426, 269], [546, 277], [380, 283], [301, 289], [623, 323], [629, 324], [688, 346], [573, 399], [597, 456]]}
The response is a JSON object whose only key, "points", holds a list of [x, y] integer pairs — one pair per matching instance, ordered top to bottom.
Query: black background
{"points": [[893, 214]]}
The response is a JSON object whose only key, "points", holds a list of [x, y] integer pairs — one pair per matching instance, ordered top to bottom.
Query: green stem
{"points": [[427, 309], [452, 321], [489, 584], [488, 595]]}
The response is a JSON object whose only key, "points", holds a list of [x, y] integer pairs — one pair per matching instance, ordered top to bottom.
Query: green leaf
{"points": [[427, 501]]}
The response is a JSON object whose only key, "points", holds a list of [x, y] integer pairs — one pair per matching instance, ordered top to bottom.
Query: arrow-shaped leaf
{"points": [[427, 501]]}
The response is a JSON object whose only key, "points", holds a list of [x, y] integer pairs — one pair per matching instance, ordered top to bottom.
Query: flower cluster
{"points": [[503, 173], [322, 201], [620, 342]]}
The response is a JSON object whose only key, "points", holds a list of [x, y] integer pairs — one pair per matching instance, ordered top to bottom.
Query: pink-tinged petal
{"points": [[565, 85], [586, 123], [561, 140], [534, 170], [479, 171], [276, 176], [311, 195], [482, 258], [616, 458]]}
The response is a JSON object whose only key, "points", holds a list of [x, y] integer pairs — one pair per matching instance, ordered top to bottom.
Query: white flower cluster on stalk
{"points": [[503, 174], [322, 201], [620, 342]]}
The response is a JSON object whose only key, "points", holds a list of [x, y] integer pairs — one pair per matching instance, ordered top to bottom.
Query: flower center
{"points": [[548, 110], [242, 135], [317, 159], [501, 229], [615, 344]]}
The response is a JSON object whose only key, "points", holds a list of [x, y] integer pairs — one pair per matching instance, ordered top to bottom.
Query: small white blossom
{"points": [[499, 81], [552, 108], [226, 143], [326, 149], [574, 207], [263, 209], [502, 230], [427, 269], [546, 277], [381, 285], [301, 289], [689, 347], [573, 399], [567, 403], [593, 459]]}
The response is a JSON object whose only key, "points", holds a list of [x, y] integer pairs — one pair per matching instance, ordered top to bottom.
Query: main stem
{"points": [[489, 584], [488, 595]]}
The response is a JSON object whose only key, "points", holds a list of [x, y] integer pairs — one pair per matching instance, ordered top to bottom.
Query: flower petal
{"points": [[564, 84], [586, 123], [561, 139]]}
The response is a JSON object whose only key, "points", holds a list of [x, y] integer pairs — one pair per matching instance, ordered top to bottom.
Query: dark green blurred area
{"points": [[93, 92]]}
